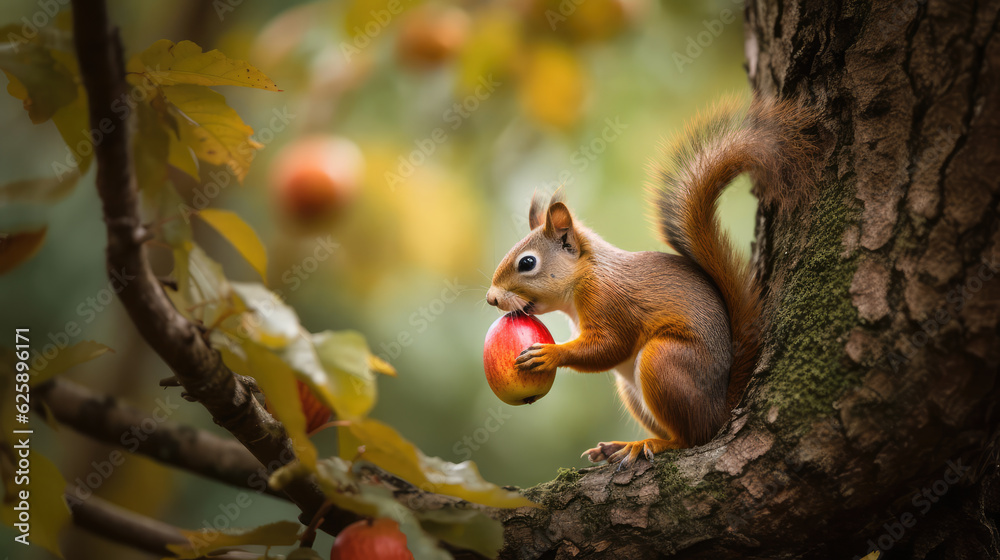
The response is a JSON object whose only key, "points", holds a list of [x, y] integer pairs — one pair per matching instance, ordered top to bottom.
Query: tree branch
{"points": [[176, 340], [103, 418], [122, 526]]}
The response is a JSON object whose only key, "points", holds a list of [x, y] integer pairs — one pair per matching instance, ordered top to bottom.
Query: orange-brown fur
{"points": [[681, 331]]}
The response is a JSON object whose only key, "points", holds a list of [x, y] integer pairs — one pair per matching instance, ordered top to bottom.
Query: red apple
{"points": [[431, 35], [315, 177], [507, 338], [378, 539]]}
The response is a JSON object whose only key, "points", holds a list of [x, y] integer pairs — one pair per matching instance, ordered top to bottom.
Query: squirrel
{"points": [[681, 332]]}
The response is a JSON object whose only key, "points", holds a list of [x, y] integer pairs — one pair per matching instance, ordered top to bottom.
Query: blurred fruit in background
{"points": [[582, 21], [431, 35], [554, 85], [314, 178]]}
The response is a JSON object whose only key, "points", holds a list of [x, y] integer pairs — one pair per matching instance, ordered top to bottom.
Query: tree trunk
{"points": [[871, 420]]}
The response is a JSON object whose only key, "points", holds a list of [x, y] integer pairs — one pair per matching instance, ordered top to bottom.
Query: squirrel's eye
{"points": [[526, 264]]}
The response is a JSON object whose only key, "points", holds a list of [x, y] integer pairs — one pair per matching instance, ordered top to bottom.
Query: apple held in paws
{"points": [[507, 338]]}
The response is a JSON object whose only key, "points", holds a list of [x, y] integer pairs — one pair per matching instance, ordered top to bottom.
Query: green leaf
{"points": [[167, 64], [36, 78], [211, 129], [44, 190], [241, 235], [16, 248], [66, 358], [277, 381], [386, 448], [49, 512], [464, 528], [200, 543]]}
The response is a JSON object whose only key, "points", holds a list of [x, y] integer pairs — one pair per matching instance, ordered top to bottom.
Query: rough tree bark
{"points": [[871, 415]]}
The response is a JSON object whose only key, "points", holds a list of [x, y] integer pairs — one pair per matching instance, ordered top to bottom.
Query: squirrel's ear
{"points": [[536, 214], [559, 226]]}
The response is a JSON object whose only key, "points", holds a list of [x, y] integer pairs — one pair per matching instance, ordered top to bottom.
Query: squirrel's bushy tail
{"points": [[764, 138]]}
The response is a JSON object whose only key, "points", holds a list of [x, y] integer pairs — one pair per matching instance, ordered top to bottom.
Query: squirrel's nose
{"points": [[491, 297]]}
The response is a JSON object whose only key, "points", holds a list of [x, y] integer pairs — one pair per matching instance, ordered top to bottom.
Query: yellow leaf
{"points": [[166, 64], [36, 78], [554, 85], [73, 119], [212, 129], [149, 152], [181, 156], [44, 190], [241, 235], [16, 248], [203, 292], [266, 320], [68, 357], [378, 365], [277, 381], [346, 382], [383, 446], [48, 512], [200, 543]]}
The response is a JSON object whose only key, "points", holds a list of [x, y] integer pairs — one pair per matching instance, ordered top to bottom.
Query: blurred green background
{"points": [[584, 94]]}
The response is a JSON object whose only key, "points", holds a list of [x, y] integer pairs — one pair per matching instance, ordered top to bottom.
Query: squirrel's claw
{"points": [[535, 357], [602, 452], [626, 453]]}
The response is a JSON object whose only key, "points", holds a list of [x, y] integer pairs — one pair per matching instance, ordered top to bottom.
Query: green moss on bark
{"points": [[814, 316]]}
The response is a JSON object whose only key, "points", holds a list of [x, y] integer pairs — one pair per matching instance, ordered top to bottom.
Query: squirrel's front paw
{"points": [[537, 357]]}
